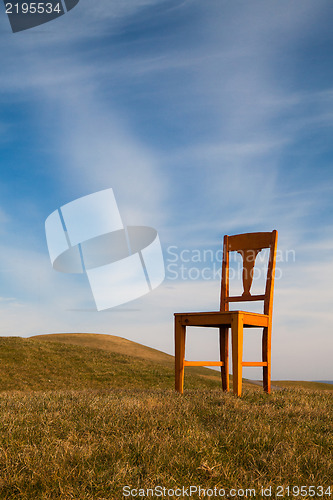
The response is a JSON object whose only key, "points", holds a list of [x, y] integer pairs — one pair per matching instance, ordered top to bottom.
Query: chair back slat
{"points": [[249, 241], [248, 246]]}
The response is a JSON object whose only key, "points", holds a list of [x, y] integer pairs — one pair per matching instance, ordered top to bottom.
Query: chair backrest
{"points": [[249, 245]]}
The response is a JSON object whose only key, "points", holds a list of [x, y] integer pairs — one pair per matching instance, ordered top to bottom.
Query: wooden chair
{"points": [[248, 245]]}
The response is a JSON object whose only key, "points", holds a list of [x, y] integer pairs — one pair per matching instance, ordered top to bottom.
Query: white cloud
{"points": [[102, 153]]}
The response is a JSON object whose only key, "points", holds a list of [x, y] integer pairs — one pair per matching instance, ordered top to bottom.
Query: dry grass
{"points": [[111, 343], [119, 345], [29, 364], [289, 384], [75, 430], [90, 444]]}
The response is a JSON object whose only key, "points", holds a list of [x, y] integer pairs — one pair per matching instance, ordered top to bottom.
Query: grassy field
{"points": [[45, 363], [289, 384], [82, 422]]}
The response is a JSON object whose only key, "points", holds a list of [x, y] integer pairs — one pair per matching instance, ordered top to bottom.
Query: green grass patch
{"points": [[28, 364]]}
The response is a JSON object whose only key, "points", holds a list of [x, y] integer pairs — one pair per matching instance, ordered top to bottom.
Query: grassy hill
{"points": [[111, 343], [118, 345], [89, 361], [303, 384], [84, 422]]}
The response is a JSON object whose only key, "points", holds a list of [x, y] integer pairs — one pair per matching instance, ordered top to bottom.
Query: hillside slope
{"points": [[109, 343], [119, 345], [34, 364]]}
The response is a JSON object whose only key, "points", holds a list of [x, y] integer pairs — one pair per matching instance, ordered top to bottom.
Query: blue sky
{"points": [[206, 118]]}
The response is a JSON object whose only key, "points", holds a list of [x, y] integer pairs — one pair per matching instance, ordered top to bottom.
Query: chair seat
{"points": [[219, 319]]}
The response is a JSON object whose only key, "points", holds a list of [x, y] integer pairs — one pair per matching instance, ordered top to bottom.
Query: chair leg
{"points": [[180, 334], [237, 353], [266, 356], [224, 357]]}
